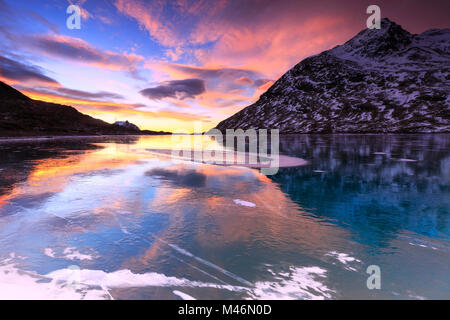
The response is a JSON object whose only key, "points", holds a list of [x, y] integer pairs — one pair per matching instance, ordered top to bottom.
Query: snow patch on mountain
{"points": [[385, 80]]}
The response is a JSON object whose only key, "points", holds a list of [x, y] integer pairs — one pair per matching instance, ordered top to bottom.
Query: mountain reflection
{"points": [[376, 185], [109, 204]]}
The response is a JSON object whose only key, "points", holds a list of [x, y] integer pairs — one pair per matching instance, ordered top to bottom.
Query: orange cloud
{"points": [[263, 36], [245, 49], [271, 51], [207, 71], [244, 80], [217, 99]]}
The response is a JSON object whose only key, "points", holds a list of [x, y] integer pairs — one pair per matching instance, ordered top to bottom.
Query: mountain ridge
{"points": [[380, 81], [23, 116]]}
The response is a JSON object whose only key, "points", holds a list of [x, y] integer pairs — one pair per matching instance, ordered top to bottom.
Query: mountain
{"points": [[385, 80], [22, 116], [127, 124]]}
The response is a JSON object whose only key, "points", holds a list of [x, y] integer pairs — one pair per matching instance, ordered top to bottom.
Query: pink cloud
{"points": [[150, 17], [265, 35], [244, 80]]}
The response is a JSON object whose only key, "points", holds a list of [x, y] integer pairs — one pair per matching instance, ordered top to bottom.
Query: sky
{"points": [[164, 64]]}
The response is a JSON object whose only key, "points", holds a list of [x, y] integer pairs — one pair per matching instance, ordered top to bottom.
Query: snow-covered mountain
{"points": [[385, 80], [127, 125]]}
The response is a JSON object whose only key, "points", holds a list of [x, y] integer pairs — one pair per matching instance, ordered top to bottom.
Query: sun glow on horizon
{"points": [[130, 61]]}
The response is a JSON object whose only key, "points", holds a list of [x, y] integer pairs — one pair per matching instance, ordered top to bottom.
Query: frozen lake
{"points": [[104, 218]]}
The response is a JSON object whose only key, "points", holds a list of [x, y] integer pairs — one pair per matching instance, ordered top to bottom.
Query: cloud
{"points": [[7, 14], [85, 15], [13, 17], [151, 17], [105, 19], [170, 22], [49, 25], [260, 35], [265, 35], [231, 47], [80, 51], [272, 51], [174, 54], [13, 72], [204, 72], [217, 78], [244, 81], [257, 83], [260, 83], [227, 87], [179, 89], [67, 93], [48, 95], [89, 95], [98, 104], [97, 107], [108, 110]]}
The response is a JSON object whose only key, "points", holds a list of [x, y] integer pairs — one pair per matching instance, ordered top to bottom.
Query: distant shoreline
{"points": [[46, 138]]}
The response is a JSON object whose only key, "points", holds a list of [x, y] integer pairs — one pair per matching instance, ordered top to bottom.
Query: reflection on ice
{"points": [[109, 218]]}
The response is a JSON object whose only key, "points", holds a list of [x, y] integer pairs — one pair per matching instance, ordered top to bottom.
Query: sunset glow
{"points": [[164, 64]]}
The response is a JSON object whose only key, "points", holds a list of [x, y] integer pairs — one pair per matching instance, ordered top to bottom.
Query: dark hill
{"points": [[22, 116]]}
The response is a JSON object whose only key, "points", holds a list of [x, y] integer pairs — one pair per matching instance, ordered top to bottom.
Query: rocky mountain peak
{"points": [[377, 43], [385, 80]]}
